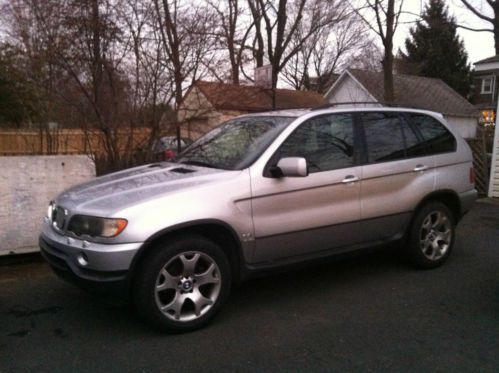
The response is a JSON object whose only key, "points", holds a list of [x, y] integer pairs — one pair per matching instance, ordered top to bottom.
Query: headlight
{"points": [[96, 227]]}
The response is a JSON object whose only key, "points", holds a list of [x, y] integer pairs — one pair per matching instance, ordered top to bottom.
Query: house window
{"points": [[486, 85]]}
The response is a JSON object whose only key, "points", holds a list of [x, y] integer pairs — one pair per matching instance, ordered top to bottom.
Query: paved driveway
{"points": [[369, 313]]}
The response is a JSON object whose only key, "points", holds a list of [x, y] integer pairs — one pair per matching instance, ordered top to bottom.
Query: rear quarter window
{"points": [[436, 138]]}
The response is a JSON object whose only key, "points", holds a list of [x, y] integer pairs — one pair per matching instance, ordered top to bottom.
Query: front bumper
{"points": [[96, 267]]}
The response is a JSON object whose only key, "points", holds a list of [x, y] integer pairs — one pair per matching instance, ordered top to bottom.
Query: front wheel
{"points": [[431, 236], [182, 283]]}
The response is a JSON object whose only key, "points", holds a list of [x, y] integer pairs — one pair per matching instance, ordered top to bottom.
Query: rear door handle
{"points": [[420, 167], [350, 179]]}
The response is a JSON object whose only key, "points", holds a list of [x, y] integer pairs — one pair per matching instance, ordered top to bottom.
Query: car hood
{"points": [[117, 191]]}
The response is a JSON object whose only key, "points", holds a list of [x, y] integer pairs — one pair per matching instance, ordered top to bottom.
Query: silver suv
{"points": [[259, 192]]}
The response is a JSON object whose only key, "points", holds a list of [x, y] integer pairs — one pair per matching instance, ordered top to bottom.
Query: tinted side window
{"points": [[384, 137], [437, 139], [326, 142], [414, 147]]}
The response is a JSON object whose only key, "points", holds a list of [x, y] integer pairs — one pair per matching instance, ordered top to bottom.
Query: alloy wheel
{"points": [[435, 235], [188, 286]]}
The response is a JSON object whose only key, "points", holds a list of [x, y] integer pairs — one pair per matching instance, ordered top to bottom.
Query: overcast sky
{"points": [[479, 45]]}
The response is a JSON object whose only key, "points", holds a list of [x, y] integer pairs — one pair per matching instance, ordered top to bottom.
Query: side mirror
{"points": [[291, 167]]}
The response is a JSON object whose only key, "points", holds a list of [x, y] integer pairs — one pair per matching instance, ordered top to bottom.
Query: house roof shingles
{"points": [[488, 60], [417, 92], [225, 96]]}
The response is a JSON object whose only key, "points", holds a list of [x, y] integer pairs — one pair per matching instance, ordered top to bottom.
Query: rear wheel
{"points": [[431, 236], [182, 283]]}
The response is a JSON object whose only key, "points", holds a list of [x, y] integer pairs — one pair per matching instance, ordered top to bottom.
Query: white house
{"points": [[360, 88]]}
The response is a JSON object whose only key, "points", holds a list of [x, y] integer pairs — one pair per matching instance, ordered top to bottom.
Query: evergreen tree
{"points": [[435, 50], [13, 97], [21, 101]]}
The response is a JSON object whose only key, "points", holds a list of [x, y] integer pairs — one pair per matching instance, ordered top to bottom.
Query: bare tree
{"points": [[386, 15], [283, 19], [493, 20], [184, 29], [233, 32], [258, 46], [326, 52], [91, 55], [369, 58], [37, 59], [81, 66], [112, 67], [150, 88]]}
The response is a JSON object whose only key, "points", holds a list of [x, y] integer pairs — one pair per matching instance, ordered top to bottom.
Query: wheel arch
{"points": [[446, 196], [216, 230]]}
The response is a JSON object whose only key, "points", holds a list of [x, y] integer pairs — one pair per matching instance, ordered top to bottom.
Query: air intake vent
{"points": [[153, 165]]}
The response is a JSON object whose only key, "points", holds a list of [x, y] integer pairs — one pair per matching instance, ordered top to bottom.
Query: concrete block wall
{"points": [[27, 185]]}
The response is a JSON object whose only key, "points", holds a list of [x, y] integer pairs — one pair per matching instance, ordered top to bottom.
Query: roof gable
{"points": [[348, 75], [224, 96]]}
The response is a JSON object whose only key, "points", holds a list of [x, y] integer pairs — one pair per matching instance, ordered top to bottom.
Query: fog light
{"points": [[82, 259]]}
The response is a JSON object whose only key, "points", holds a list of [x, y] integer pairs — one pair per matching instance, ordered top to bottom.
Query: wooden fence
{"points": [[67, 141], [77, 141], [481, 161]]}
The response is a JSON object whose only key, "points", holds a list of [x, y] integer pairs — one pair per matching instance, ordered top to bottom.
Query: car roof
{"points": [[340, 109], [279, 113]]}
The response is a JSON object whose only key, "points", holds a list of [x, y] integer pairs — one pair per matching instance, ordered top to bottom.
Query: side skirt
{"points": [[286, 264]]}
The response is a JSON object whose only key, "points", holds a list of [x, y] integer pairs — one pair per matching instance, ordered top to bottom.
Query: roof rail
{"points": [[333, 104]]}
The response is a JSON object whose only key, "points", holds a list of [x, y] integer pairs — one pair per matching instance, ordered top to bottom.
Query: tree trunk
{"points": [[231, 35], [96, 46], [258, 48], [259, 52], [388, 58], [233, 61], [275, 75], [388, 77], [178, 100]]}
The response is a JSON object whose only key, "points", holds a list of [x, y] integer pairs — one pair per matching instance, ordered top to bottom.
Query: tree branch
{"points": [[476, 12], [474, 29]]}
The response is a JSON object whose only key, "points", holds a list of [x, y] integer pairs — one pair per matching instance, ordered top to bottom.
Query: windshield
{"points": [[236, 144]]}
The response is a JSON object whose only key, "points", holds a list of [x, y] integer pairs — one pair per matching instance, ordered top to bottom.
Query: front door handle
{"points": [[420, 167], [350, 179]]}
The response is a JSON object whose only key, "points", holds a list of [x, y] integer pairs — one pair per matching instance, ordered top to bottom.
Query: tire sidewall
{"points": [[153, 263]]}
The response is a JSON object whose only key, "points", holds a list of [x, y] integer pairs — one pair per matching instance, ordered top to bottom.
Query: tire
{"points": [[431, 236], [182, 283]]}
